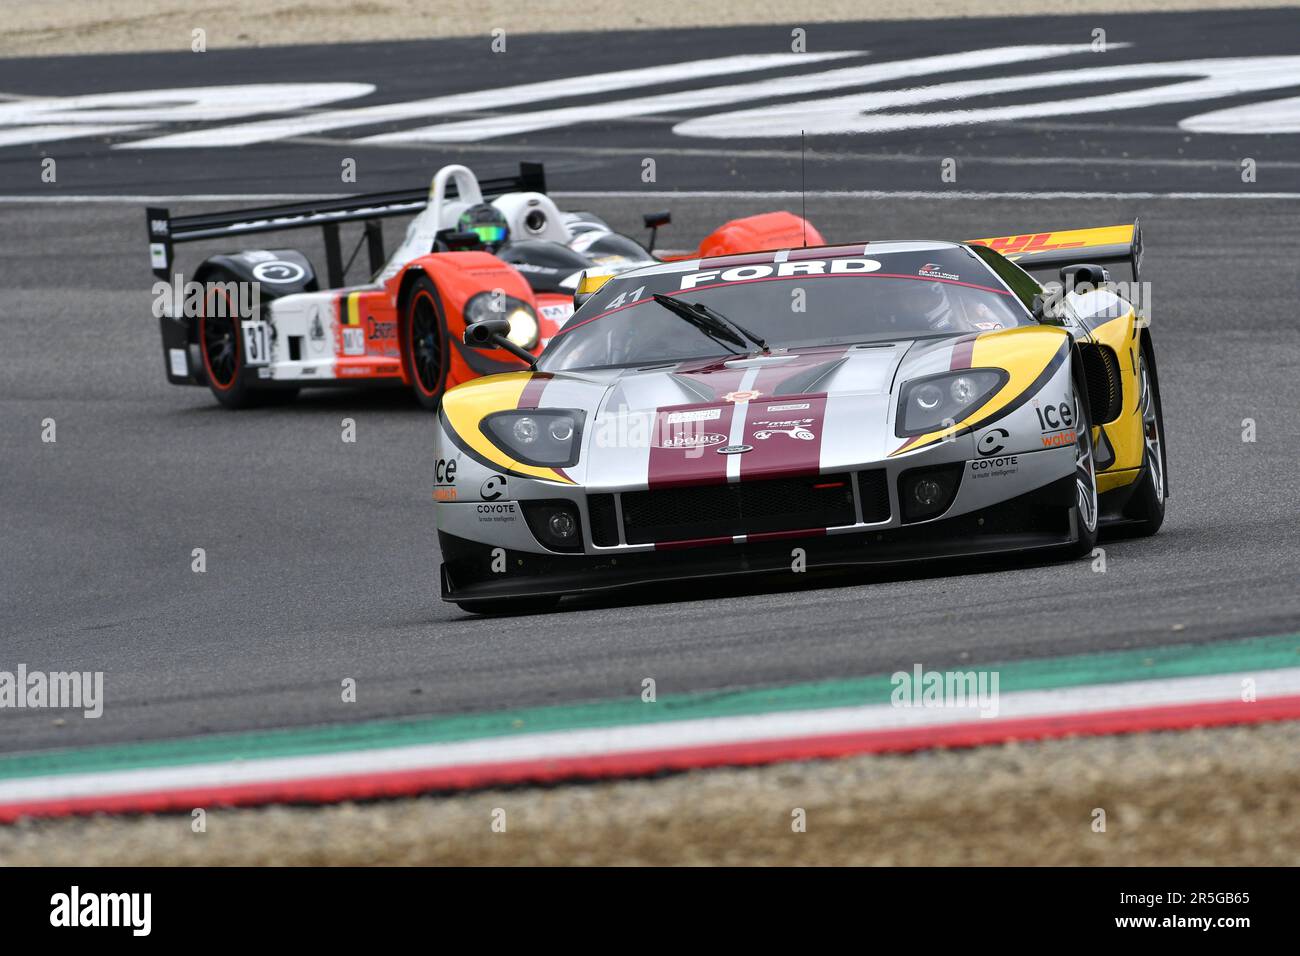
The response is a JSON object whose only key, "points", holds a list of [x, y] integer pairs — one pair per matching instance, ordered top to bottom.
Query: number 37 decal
{"points": [[256, 343]]}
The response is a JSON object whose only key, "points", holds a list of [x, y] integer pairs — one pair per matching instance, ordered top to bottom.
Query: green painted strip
{"points": [[1184, 660]]}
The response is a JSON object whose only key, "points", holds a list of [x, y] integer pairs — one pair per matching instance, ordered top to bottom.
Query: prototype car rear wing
{"points": [[166, 230], [1116, 248]]}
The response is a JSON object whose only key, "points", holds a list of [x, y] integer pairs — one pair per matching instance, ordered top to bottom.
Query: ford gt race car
{"points": [[255, 326], [806, 409]]}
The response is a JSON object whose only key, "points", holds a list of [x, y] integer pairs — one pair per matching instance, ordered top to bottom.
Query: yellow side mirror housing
{"points": [[589, 283]]}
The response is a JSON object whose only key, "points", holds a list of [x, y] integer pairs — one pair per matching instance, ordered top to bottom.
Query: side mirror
{"points": [[653, 220], [1081, 274], [588, 285], [1048, 306], [494, 333], [482, 334]]}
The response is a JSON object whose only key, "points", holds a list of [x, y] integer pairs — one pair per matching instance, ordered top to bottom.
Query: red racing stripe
{"points": [[827, 252], [737, 259], [962, 351], [531, 396], [778, 425], [785, 435], [684, 445], [782, 535], [692, 543]]}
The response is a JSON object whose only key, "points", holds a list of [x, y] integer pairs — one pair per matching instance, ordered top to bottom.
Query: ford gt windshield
{"points": [[797, 303]]}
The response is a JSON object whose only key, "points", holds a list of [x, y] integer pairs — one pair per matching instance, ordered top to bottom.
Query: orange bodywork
{"points": [[762, 233], [458, 277], [368, 339]]}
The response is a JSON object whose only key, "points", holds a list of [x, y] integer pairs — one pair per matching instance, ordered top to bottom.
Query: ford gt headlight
{"points": [[524, 329], [927, 404], [545, 437]]}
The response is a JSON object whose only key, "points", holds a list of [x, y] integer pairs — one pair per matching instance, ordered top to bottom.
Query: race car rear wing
{"points": [[166, 230], [1118, 249]]}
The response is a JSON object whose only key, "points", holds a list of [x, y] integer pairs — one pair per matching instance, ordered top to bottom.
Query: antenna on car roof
{"points": [[803, 192]]}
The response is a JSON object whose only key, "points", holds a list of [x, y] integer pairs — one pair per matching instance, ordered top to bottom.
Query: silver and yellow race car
{"points": [[806, 409]]}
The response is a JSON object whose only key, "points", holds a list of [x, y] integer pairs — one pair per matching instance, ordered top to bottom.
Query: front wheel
{"points": [[424, 343]]}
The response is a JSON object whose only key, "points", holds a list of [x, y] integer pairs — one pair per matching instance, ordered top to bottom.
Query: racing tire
{"points": [[424, 342], [222, 350], [274, 397], [1086, 510], [1145, 511], [511, 606]]}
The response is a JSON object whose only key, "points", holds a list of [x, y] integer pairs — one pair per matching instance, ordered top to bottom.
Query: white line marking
{"points": [[587, 84], [863, 112], [1274, 116], [60, 117], [517, 123], [49, 133], [818, 155], [650, 194], [187, 197], [654, 736]]}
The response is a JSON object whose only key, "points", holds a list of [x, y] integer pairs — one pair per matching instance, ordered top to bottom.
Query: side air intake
{"points": [[1101, 371]]}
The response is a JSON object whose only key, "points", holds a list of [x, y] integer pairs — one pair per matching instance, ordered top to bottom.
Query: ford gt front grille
{"points": [[740, 508]]}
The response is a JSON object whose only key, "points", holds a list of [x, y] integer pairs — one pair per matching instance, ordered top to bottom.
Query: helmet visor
{"points": [[489, 233]]}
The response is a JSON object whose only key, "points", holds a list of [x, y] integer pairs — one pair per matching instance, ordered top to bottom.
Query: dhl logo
{"points": [[1045, 241], [1035, 242]]}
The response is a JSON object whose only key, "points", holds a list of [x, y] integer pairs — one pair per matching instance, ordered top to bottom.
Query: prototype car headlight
{"points": [[524, 329], [926, 404], [546, 437]]}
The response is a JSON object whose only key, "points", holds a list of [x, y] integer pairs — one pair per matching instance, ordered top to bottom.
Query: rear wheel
{"points": [[220, 335], [424, 343], [1085, 477], [1146, 509]]}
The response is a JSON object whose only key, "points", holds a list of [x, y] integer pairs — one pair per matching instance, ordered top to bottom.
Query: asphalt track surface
{"points": [[604, 149], [322, 558]]}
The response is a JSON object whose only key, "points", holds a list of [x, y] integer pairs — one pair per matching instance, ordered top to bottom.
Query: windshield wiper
{"points": [[717, 316], [711, 322]]}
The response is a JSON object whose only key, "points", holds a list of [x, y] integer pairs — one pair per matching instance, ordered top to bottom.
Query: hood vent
{"points": [[808, 380], [695, 388]]}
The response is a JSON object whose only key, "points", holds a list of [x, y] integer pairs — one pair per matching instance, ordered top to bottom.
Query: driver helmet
{"points": [[488, 223], [927, 302]]}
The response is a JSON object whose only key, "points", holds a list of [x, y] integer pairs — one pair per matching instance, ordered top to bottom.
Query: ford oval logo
{"points": [[735, 449]]}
